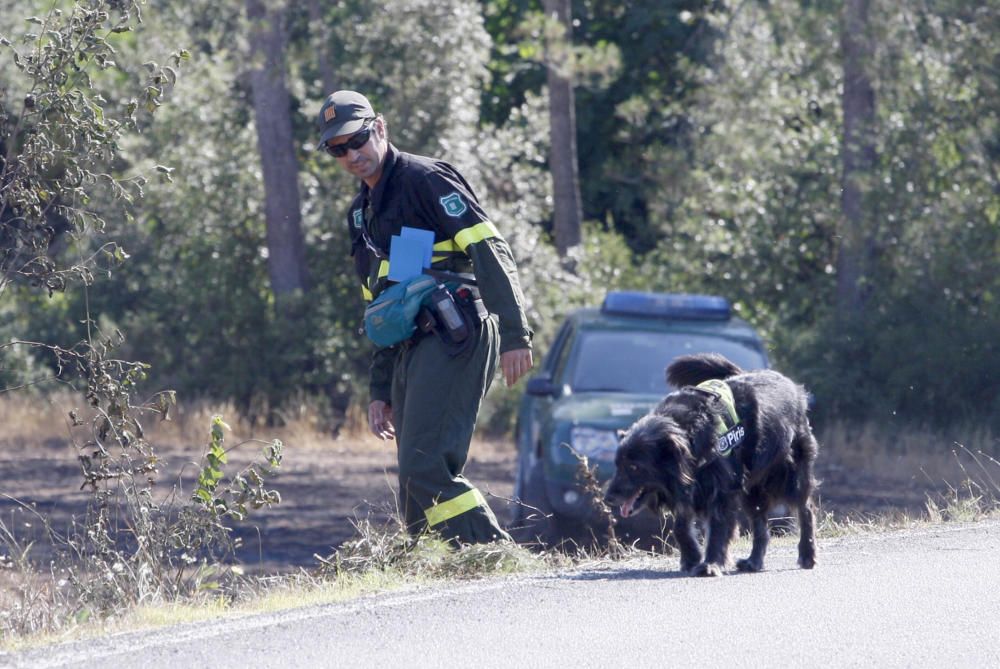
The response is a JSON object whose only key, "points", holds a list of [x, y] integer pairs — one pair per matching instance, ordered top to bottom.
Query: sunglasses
{"points": [[357, 140]]}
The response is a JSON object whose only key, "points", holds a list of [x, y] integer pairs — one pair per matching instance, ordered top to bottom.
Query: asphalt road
{"points": [[928, 597]]}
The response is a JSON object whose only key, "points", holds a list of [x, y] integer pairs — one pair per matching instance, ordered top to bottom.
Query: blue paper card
{"points": [[426, 238], [406, 258]]}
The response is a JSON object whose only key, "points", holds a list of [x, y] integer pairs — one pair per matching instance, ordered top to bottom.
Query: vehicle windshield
{"points": [[635, 362]]}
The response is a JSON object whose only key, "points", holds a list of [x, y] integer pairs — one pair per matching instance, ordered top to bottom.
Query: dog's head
{"points": [[653, 466]]}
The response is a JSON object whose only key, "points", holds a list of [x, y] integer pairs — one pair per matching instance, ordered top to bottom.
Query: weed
{"points": [[593, 490], [976, 497], [389, 548], [133, 549]]}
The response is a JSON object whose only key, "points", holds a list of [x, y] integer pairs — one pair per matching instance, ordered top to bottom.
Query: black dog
{"points": [[725, 438]]}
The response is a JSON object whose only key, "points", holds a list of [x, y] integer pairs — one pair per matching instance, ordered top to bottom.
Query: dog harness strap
{"points": [[722, 390], [729, 436], [467, 501]]}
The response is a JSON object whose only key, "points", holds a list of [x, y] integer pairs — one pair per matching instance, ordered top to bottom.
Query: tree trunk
{"points": [[321, 36], [272, 111], [562, 128], [855, 256]]}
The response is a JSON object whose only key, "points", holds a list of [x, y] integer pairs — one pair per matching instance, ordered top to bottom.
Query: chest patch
{"points": [[454, 205], [359, 218], [727, 441]]}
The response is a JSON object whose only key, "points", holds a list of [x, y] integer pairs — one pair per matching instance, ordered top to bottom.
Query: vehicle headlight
{"points": [[594, 443]]}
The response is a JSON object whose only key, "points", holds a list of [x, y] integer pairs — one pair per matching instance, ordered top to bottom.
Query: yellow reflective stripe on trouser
{"points": [[476, 233], [383, 269], [365, 293], [456, 506]]}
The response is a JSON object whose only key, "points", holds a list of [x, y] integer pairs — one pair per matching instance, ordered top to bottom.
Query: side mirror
{"points": [[541, 386]]}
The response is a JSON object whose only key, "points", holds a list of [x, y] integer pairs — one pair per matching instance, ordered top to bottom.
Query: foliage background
{"points": [[710, 160]]}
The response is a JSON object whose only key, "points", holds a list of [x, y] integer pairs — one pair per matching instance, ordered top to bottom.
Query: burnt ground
{"points": [[326, 488]]}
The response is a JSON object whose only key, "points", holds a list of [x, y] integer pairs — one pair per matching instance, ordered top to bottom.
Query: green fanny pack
{"points": [[391, 317]]}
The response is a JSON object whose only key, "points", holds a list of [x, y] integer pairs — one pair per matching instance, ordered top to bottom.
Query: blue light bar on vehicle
{"points": [[667, 305]]}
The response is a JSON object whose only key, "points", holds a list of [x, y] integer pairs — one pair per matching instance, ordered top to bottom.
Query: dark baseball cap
{"points": [[343, 113]]}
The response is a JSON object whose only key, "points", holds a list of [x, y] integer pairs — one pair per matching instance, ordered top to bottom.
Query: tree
{"points": [[321, 37], [631, 79], [272, 113], [562, 125], [859, 158]]}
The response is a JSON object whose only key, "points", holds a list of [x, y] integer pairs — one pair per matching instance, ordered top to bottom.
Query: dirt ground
{"points": [[329, 485]]}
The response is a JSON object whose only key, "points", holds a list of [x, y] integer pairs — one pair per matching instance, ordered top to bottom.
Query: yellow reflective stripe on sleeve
{"points": [[476, 233], [446, 245], [366, 294], [456, 506]]}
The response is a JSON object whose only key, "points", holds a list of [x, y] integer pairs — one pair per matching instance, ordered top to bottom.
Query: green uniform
{"points": [[435, 396]]}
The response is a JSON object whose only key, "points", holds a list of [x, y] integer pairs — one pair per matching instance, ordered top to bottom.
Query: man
{"points": [[425, 393]]}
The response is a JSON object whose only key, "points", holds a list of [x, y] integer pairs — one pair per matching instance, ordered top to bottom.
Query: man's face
{"points": [[364, 162]]}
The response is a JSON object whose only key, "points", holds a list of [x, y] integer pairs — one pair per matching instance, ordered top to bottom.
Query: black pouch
{"points": [[449, 316], [451, 320]]}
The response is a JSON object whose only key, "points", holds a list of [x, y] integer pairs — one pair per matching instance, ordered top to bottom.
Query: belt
{"points": [[471, 305]]}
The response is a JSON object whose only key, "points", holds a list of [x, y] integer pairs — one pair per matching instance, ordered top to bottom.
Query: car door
{"points": [[536, 405]]}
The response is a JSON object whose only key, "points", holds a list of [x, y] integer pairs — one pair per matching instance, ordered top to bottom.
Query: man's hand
{"points": [[515, 364], [380, 420]]}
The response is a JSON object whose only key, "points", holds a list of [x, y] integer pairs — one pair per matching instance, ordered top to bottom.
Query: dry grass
{"points": [[33, 421], [30, 422], [875, 446], [381, 558], [35, 607]]}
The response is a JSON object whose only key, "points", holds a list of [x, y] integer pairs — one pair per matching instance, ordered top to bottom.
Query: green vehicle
{"points": [[605, 370]]}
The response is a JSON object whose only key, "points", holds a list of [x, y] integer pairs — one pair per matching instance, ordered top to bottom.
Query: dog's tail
{"points": [[690, 370]]}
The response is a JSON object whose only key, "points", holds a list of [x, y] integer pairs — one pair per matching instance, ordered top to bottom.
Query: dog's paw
{"points": [[807, 552], [687, 564], [748, 565], [706, 569]]}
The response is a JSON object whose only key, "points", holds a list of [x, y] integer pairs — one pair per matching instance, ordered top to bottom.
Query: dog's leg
{"points": [[804, 450], [757, 503], [721, 527], [761, 536], [807, 536], [686, 541]]}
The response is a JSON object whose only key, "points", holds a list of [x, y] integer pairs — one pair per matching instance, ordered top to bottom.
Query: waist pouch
{"points": [[391, 317], [456, 324]]}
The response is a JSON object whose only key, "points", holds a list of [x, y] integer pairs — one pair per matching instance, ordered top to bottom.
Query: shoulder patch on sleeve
{"points": [[454, 205], [359, 218]]}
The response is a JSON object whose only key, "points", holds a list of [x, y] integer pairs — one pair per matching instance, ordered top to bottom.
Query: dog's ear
{"points": [[674, 455], [684, 471]]}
